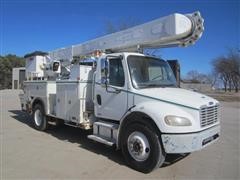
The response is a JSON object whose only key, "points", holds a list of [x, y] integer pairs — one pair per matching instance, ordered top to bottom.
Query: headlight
{"points": [[177, 121]]}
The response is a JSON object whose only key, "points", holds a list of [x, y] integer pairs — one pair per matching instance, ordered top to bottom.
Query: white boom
{"points": [[173, 30]]}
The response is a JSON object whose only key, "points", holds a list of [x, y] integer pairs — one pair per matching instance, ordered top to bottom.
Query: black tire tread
{"points": [[44, 124], [157, 155]]}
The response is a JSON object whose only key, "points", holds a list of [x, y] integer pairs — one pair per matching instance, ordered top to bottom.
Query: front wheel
{"points": [[39, 118], [141, 148]]}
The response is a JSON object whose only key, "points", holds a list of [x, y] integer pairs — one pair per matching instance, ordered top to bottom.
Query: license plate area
{"points": [[209, 139]]}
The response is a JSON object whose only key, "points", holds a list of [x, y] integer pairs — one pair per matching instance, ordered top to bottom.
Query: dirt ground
{"points": [[225, 96], [66, 153]]}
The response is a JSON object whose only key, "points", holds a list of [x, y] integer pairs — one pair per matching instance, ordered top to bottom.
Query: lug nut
{"points": [[147, 150]]}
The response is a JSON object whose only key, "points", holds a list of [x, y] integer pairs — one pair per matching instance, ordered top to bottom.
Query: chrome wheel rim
{"points": [[38, 117], [138, 146]]}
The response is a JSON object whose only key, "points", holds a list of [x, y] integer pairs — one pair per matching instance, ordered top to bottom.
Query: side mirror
{"points": [[104, 72]]}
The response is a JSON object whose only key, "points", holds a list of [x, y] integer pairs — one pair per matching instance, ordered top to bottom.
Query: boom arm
{"points": [[170, 31]]}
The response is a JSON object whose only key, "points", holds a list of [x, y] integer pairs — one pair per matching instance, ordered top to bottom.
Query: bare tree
{"points": [[111, 27], [219, 65], [228, 70], [193, 76], [196, 77], [212, 78]]}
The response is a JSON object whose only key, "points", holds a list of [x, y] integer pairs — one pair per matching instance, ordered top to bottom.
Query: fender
{"points": [[36, 101], [136, 113], [154, 113], [135, 116]]}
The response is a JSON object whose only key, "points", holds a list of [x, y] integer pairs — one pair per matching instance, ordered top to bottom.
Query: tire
{"points": [[39, 119], [135, 139]]}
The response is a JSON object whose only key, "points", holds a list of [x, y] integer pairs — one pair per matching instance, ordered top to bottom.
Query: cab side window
{"points": [[116, 73]]}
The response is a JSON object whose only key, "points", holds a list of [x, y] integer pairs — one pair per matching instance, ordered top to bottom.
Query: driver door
{"points": [[110, 99]]}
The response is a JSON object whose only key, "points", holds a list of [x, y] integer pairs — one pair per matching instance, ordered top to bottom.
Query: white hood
{"points": [[178, 96]]}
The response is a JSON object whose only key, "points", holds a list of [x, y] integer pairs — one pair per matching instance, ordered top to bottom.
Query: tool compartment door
{"points": [[61, 101], [72, 102]]}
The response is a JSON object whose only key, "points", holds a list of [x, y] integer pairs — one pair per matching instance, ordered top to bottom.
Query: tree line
{"points": [[7, 63], [227, 69], [225, 72]]}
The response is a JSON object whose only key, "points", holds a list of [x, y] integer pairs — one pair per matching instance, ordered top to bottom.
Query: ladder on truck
{"points": [[174, 30]]}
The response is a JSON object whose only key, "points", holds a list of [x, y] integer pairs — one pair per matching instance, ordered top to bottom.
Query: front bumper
{"points": [[185, 143]]}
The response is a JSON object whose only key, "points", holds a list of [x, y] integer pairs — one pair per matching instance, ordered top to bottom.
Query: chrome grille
{"points": [[208, 115]]}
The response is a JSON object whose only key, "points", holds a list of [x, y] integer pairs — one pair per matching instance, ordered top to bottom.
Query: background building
{"points": [[18, 76]]}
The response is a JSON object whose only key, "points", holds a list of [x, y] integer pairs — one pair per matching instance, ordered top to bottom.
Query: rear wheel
{"points": [[39, 118], [141, 148]]}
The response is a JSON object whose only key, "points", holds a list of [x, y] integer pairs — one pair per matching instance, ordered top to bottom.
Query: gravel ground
{"points": [[66, 153]]}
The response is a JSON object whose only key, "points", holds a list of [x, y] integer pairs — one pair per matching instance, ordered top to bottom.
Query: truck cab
{"points": [[132, 88]]}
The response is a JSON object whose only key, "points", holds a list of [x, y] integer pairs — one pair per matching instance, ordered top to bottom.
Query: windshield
{"points": [[150, 72]]}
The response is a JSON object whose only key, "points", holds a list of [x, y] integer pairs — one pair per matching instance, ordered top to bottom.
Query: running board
{"points": [[105, 132], [101, 140]]}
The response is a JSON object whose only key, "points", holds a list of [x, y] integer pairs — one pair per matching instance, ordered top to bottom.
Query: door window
{"points": [[116, 73]]}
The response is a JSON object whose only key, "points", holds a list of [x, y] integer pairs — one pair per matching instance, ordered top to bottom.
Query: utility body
{"points": [[129, 99]]}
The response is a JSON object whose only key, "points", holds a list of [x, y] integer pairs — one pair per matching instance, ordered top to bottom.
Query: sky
{"points": [[29, 25]]}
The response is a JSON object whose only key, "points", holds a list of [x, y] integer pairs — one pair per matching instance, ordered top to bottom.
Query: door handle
{"points": [[99, 99]]}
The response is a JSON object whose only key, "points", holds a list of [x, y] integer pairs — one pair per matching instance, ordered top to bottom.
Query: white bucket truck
{"points": [[128, 99]]}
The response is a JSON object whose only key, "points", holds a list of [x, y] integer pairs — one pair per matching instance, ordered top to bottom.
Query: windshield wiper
{"points": [[152, 85], [157, 85]]}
